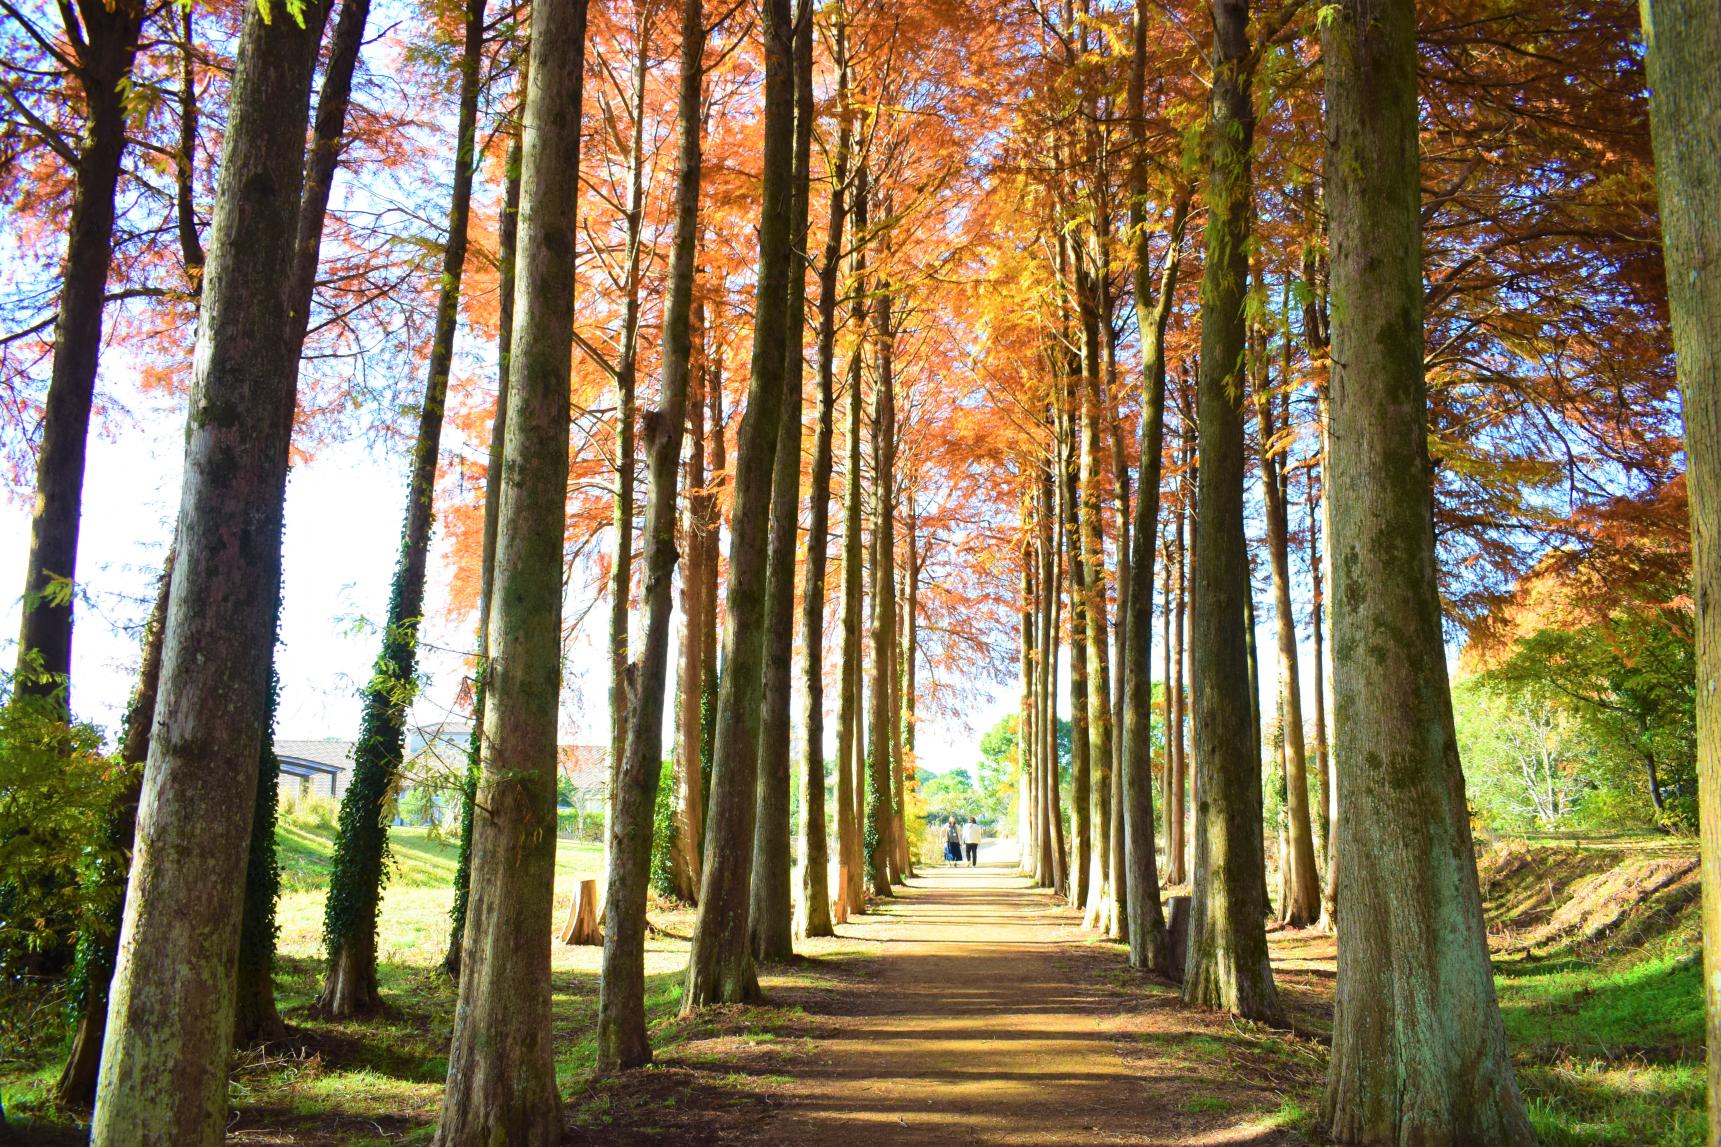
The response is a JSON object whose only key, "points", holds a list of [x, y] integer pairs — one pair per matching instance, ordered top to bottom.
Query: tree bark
{"points": [[1683, 38], [103, 40], [507, 239], [627, 383], [1074, 538], [698, 541], [850, 735], [881, 811], [361, 842], [815, 902], [1301, 905], [771, 911], [1146, 931], [97, 950], [1228, 963], [720, 964], [170, 1016], [622, 1041], [1419, 1055], [501, 1071]]}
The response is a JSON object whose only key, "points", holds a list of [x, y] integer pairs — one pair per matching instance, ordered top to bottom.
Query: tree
{"points": [[103, 39], [1683, 41], [361, 842], [770, 912], [720, 963], [1227, 966], [622, 1041], [1419, 1053], [164, 1063], [501, 1070]]}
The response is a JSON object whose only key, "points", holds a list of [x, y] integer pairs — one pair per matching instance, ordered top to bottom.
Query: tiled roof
{"points": [[328, 751]]}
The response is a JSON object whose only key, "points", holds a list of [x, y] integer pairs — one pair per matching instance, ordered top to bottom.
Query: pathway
{"points": [[991, 1020]]}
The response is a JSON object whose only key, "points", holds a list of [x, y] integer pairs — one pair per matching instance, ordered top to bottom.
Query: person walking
{"points": [[971, 835], [952, 842]]}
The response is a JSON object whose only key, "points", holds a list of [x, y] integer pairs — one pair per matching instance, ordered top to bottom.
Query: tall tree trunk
{"points": [[1683, 38], [103, 40], [507, 240], [627, 384], [713, 518], [1074, 538], [697, 539], [1025, 718], [851, 737], [1323, 775], [1182, 787], [1052, 798], [881, 812], [361, 842], [815, 903], [1301, 905], [771, 911], [1146, 932], [720, 964], [1228, 964], [92, 973], [256, 1019], [622, 1041], [1419, 1054], [164, 1063], [501, 1070]]}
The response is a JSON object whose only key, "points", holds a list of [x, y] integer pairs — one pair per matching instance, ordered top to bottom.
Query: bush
{"points": [[54, 801]]}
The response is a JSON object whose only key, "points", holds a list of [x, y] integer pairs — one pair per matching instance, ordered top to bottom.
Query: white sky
{"points": [[343, 525]]}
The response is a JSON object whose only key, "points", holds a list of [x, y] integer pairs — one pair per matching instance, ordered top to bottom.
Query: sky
{"points": [[342, 530]]}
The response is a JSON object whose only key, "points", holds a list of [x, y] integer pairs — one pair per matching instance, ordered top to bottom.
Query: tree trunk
{"points": [[103, 38], [1683, 38], [506, 245], [627, 384], [713, 517], [697, 539], [1025, 719], [851, 739], [1081, 745], [1323, 775], [1183, 786], [881, 812], [361, 842], [815, 903], [1301, 905], [1101, 906], [771, 911], [1146, 922], [97, 950], [1228, 963], [720, 964], [256, 1019], [622, 1041], [1419, 1055], [164, 1064], [501, 1071]]}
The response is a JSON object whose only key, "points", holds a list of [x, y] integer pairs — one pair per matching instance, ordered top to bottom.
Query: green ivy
{"points": [[663, 833]]}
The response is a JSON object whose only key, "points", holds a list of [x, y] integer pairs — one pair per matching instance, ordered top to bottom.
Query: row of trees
{"points": [[1005, 503]]}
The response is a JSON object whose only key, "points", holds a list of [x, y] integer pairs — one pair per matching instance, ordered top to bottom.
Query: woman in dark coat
{"points": [[952, 842]]}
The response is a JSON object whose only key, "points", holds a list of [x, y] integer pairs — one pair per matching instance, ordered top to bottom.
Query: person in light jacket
{"points": [[971, 835]]}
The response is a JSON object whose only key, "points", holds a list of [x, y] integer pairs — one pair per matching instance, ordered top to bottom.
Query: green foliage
{"points": [[1628, 683], [1528, 764], [663, 832], [55, 856]]}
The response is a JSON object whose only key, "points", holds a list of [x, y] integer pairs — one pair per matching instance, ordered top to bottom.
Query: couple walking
{"points": [[960, 839]]}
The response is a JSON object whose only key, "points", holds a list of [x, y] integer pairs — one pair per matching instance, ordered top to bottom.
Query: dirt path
{"points": [[992, 1020]]}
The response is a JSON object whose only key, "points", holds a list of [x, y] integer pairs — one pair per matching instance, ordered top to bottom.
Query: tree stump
{"points": [[840, 902], [582, 924], [1176, 935]]}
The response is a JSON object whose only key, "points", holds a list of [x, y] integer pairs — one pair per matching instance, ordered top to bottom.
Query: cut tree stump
{"points": [[840, 902], [582, 925], [1176, 934]]}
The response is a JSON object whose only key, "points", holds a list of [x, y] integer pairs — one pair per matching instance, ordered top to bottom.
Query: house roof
{"points": [[329, 752], [587, 766]]}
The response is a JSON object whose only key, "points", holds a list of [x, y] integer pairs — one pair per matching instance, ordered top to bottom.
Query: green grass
{"points": [[1610, 1051]]}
